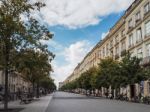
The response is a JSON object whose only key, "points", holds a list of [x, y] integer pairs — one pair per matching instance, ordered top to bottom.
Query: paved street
{"points": [[68, 102], [38, 105]]}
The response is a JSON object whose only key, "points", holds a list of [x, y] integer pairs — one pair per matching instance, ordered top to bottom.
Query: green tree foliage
{"points": [[17, 34], [34, 66], [131, 71], [147, 72], [108, 73], [113, 73], [93, 80], [47, 83]]}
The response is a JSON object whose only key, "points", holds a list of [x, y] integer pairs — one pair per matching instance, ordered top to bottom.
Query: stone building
{"points": [[131, 33], [15, 84]]}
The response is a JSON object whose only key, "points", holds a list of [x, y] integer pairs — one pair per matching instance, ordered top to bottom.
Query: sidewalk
{"points": [[38, 105]]}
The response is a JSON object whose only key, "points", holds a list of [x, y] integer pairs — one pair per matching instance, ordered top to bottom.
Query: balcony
{"points": [[147, 14], [138, 22], [131, 28], [147, 36], [123, 37], [139, 41], [116, 43], [111, 46], [131, 46], [123, 52], [116, 56], [145, 61]]}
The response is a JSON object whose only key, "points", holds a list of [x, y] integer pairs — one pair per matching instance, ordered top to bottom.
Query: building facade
{"points": [[131, 33], [16, 84], [60, 85]]}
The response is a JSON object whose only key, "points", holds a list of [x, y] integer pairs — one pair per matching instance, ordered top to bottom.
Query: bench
{"points": [[25, 99]]}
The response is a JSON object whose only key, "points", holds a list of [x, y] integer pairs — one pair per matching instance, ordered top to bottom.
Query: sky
{"points": [[78, 25]]}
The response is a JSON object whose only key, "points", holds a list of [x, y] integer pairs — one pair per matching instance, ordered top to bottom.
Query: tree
{"points": [[16, 34], [34, 65], [131, 70], [106, 71], [93, 72], [147, 73], [108, 74], [86, 78], [85, 81], [48, 84]]}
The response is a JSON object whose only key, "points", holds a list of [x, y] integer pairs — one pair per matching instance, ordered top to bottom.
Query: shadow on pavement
{"points": [[12, 110]]}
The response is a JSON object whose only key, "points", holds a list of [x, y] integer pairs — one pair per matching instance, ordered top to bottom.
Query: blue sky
{"points": [[78, 25], [66, 37]]}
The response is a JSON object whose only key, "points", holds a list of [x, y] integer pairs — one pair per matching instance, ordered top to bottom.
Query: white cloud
{"points": [[79, 13], [76, 51], [72, 56]]}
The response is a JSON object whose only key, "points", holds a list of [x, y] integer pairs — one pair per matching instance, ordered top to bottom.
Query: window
{"points": [[146, 8], [138, 16], [130, 23], [147, 28], [123, 32], [138, 35], [116, 39], [131, 40], [111, 43], [123, 46], [148, 49], [107, 50], [117, 50], [104, 52], [112, 53], [139, 53], [96, 54], [100, 54]]}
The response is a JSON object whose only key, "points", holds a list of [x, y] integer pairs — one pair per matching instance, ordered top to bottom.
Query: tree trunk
{"points": [[6, 76], [33, 87], [6, 90], [37, 90]]}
